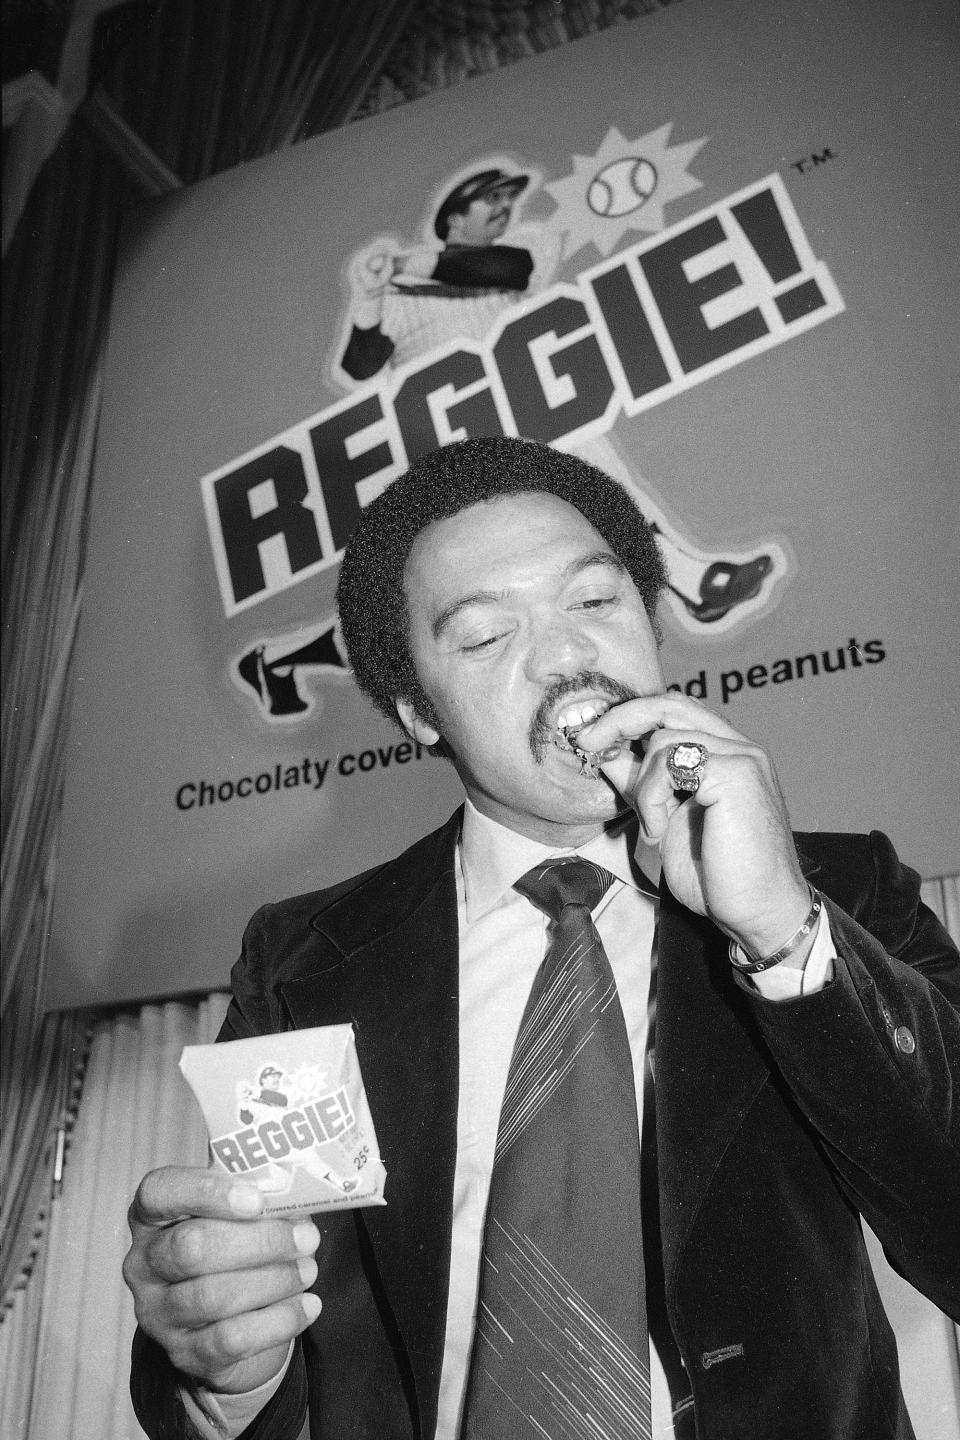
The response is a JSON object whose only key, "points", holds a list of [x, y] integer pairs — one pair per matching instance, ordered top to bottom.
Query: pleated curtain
{"points": [[65, 1343]]}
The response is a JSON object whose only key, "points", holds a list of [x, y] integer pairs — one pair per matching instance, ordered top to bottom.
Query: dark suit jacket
{"points": [[776, 1125]]}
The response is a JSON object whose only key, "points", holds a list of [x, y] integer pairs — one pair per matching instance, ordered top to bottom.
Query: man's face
{"points": [[484, 221], [519, 609]]}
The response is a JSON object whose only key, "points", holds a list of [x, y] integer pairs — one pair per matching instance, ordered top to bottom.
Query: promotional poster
{"points": [[711, 251]]}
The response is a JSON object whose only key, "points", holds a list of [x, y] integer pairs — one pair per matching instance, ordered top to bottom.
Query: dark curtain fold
{"points": [[208, 86]]}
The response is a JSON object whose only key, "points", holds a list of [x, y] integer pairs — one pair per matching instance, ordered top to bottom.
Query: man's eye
{"points": [[594, 602], [471, 646]]}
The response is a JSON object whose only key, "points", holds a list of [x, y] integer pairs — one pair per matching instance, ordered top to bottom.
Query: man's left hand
{"points": [[727, 850]]}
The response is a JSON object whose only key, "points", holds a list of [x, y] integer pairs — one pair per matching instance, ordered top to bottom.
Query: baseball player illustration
{"points": [[406, 302], [256, 1103]]}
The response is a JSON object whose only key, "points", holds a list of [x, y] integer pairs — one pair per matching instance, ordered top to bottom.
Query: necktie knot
{"points": [[564, 880]]}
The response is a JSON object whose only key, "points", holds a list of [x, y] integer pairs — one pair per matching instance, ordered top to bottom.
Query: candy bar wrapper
{"points": [[289, 1113]]}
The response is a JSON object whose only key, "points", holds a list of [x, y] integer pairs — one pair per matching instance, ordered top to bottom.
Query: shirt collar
{"points": [[494, 857]]}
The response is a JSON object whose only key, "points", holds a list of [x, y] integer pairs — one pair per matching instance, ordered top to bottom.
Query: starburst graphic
{"points": [[624, 186]]}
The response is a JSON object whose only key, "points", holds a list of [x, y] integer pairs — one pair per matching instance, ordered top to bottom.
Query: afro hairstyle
{"points": [[370, 595]]}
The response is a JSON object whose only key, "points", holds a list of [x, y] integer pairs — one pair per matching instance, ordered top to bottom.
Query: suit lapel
{"points": [[395, 978]]}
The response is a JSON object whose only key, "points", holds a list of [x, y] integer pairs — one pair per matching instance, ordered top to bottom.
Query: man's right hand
{"points": [[371, 271], [215, 1283]]}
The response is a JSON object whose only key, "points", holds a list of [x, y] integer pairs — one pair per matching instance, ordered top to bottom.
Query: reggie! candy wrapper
{"points": [[289, 1113]]}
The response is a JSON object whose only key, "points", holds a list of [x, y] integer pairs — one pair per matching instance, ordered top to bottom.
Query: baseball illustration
{"points": [[621, 186]]}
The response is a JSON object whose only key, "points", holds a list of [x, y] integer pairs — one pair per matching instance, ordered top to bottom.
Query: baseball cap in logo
{"points": [[484, 182]]}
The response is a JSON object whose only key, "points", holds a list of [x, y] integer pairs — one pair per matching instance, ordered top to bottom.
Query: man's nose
{"points": [[558, 648]]}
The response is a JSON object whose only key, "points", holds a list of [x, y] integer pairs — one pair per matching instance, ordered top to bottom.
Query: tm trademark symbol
{"points": [[809, 162]]}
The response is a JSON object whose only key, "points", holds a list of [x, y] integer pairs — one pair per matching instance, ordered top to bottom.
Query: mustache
{"points": [[542, 730]]}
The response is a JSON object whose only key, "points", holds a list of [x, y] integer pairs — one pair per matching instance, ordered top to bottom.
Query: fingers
{"points": [[380, 267], [372, 270], [641, 718], [737, 762], [736, 767], [737, 772], [738, 778], [726, 848], [175, 1192], [184, 1224], [209, 1247], [216, 1283], [207, 1299], [245, 1350]]}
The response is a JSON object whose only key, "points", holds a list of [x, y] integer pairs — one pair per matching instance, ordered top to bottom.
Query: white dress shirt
{"points": [[503, 939]]}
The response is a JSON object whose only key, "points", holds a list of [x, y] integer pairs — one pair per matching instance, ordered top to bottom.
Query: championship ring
{"points": [[686, 762]]}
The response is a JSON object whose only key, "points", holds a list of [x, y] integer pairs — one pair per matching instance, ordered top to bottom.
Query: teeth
{"points": [[574, 717]]}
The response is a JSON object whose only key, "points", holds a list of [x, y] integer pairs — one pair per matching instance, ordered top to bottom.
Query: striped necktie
{"points": [[560, 1350]]}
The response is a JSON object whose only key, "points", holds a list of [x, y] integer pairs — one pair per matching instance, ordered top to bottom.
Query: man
{"points": [[407, 302], [500, 599]]}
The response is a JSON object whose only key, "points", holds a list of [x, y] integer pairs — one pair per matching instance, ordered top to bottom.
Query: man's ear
{"points": [[416, 728]]}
